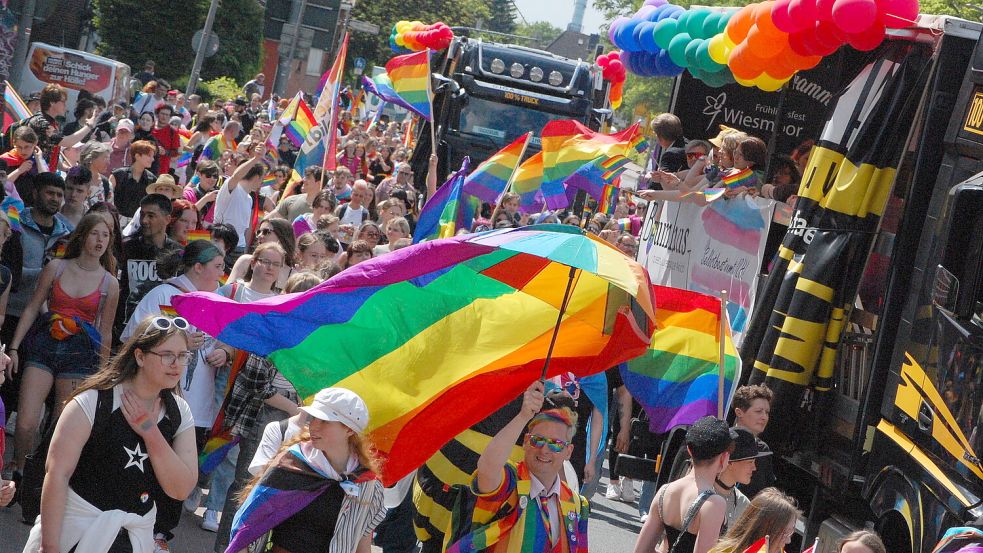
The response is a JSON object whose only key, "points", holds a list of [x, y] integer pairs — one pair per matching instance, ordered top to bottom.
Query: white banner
{"points": [[708, 249]]}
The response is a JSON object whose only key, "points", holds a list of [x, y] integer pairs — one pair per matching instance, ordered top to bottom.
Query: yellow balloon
{"points": [[416, 25], [403, 26], [728, 42], [717, 49], [745, 82], [768, 83]]}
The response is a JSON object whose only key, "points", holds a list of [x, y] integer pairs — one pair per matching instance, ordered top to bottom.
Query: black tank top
{"points": [[114, 470], [310, 530], [686, 544]]}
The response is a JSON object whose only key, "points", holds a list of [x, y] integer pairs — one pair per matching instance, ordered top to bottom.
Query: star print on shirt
{"points": [[137, 457]]}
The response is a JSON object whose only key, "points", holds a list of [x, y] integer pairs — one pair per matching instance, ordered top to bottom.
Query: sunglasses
{"points": [[694, 155], [164, 324], [555, 446]]}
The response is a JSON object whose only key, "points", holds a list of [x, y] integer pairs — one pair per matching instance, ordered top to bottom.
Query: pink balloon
{"points": [[824, 9], [803, 12], [898, 14], [854, 16], [782, 19], [827, 38], [868, 39], [801, 43], [614, 55], [603, 60], [616, 66]]}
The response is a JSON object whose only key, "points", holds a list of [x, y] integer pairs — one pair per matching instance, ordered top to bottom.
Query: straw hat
{"points": [[718, 140], [166, 185]]}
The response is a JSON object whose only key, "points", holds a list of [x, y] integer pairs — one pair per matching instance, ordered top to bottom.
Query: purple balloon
{"points": [[655, 3], [643, 12], [615, 25], [669, 69]]}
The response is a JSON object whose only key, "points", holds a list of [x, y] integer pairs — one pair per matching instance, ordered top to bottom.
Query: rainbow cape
{"points": [[410, 77], [14, 107], [568, 145], [215, 146], [595, 175], [739, 177], [528, 179], [489, 180], [447, 211], [458, 321], [676, 380]]}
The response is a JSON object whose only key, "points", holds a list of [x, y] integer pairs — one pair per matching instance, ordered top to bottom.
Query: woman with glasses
{"points": [[271, 230], [369, 232], [63, 345], [124, 442], [772, 514]]}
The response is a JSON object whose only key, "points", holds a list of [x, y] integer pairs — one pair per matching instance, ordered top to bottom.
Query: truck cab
{"points": [[488, 94]]}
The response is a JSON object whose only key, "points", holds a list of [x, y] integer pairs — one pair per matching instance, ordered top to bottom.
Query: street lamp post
{"points": [[206, 34]]}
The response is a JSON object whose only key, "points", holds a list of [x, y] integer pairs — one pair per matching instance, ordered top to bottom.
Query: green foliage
{"points": [[385, 14], [502, 18], [239, 25], [133, 31], [542, 31], [221, 87]]}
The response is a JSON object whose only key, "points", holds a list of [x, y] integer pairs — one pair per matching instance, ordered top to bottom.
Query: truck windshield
{"points": [[502, 123]]}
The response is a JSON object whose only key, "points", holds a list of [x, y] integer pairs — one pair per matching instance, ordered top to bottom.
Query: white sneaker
{"points": [[627, 490], [613, 491], [194, 501], [210, 521]]}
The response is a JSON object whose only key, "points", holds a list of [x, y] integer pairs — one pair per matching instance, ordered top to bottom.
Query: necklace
{"points": [[83, 267], [724, 486]]}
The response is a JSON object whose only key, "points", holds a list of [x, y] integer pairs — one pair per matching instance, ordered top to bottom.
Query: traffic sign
{"points": [[363, 27], [212, 43]]}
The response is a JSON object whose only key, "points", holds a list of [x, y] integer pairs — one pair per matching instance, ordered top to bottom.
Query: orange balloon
{"points": [[764, 22], [739, 25], [765, 46], [791, 58], [744, 64]]}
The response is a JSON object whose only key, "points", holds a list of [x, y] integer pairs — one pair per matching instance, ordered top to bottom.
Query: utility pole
{"points": [[206, 35], [23, 40], [286, 66]]}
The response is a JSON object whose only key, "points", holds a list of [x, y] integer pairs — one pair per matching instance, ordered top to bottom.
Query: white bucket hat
{"points": [[341, 405]]}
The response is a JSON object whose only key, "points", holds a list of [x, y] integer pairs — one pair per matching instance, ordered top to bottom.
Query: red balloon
{"points": [[824, 9], [804, 12], [898, 14], [854, 16], [783, 21], [827, 38], [869, 38], [802, 43], [614, 55], [602, 60], [616, 66]]}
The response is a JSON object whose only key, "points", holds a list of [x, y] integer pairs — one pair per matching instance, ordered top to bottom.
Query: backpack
{"points": [[344, 209]]}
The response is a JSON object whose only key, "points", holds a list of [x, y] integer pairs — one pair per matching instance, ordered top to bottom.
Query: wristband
{"points": [[11, 349]]}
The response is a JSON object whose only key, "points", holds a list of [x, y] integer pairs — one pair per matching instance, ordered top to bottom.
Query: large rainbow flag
{"points": [[410, 77], [14, 107], [328, 120], [528, 179], [488, 180], [447, 211], [461, 326], [676, 380]]}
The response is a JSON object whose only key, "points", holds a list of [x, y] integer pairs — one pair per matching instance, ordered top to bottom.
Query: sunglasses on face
{"points": [[694, 155], [165, 323], [555, 446]]}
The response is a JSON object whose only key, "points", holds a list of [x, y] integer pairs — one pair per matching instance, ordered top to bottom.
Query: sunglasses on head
{"points": [[164, 324], [555, 446]]}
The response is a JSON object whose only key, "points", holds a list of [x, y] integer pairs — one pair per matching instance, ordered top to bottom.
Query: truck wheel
{"points": [[680, 464], [894, 533]]}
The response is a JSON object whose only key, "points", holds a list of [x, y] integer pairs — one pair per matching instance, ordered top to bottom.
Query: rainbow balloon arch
{"points": [[759, 45]]}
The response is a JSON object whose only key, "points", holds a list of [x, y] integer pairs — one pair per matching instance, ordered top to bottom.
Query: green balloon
{"points": [[682, 20], [722, 22], [694, 25], [710, 25], [664, 31], [677, 49], [691, 50], [703, 60]]}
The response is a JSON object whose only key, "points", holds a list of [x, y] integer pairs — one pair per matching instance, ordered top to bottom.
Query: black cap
{"points": [[240, 101], [709, 437], [746, 446]]}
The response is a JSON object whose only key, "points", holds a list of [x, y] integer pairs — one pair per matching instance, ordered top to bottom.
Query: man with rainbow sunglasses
{"points": [[528, 502]]}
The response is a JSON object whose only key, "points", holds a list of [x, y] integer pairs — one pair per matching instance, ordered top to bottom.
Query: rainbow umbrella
{"points": [[438, 336]]}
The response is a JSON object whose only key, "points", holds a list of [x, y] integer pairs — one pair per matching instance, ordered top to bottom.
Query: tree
{"points": [[385, 14], [502, 17], [239, 24], [134, 31], [542, 31]]}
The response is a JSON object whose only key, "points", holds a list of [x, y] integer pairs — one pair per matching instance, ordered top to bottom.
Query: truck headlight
{"points": [[497, 66], [516, 70], [536, 74], [556, 78]]}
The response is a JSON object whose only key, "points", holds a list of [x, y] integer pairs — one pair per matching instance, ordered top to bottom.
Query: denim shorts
{"points": [[73, 357]]}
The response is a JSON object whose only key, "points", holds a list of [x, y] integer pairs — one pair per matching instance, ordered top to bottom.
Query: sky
{"points": [[559, 13]]}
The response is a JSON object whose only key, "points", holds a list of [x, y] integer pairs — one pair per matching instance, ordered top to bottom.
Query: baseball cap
{"points": [[172, 92], [124, 125], [341, 405], [709, 437], [746, 446]]}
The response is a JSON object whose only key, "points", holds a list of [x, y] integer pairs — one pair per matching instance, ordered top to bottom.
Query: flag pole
{"points": [[433, 130], [508, 185], [559, 320], [723, 354]]}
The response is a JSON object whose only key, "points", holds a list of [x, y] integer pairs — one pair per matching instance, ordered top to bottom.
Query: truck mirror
{"points": [[945, 289]]}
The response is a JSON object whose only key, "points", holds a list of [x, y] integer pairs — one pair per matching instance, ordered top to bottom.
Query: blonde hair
{"points": [[769, 514], [866, 538]]}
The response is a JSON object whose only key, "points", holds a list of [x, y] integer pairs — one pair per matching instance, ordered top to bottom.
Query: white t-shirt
{"points": [[234, 208], [353, 216], [198, 387], [88, 399], [270, 444]]}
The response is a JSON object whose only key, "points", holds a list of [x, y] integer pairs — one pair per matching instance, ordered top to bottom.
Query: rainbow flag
{"points": [[410, 77], [382, 86], [14, 107], [326, 114], [297, 120], [568, 145], [215, 146], [594, 176], [739, 177], [489, 180], [527, 182], [709, 194], [609, 199], [13, 207], [447, 211], [199, 234], [223, 280], [168, 310], [475, 318], [676, 379], [215, 450]]}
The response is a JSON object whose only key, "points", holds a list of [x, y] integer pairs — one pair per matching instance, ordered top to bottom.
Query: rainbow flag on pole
{"points": [[410, 76], [382, 86], [14, 107], [327, 109], [301, 123], [216, 146], [594, 176], [739, 177], [488, 180], [527, 182], [447, 211], [676, 380]]}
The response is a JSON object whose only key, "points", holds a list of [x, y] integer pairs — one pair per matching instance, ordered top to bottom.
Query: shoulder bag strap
{"points": [[691, 514]]}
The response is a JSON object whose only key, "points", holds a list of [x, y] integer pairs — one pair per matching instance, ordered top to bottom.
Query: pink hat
{"points": [[124, 125]]}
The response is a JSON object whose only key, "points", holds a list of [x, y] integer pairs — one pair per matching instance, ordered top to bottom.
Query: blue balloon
{"points": [[673, 11], [644, 12], [660, 13], [626, 36], [646, 36], [648, 65], [669, 69]]}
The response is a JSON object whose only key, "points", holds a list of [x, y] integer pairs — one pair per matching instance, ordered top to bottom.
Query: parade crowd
{"points": [[111, 398]]}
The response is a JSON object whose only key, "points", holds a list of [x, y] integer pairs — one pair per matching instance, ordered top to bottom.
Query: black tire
{"points": [[680, 464], [894, 533]]}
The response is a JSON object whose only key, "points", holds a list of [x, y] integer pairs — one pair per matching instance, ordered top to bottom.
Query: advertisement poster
{"points": [[70, 70], [708, 249]]}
